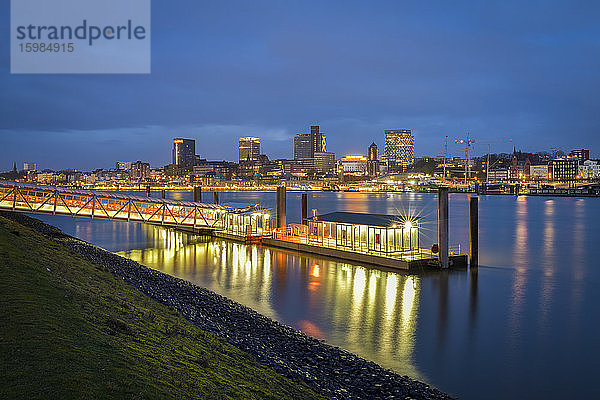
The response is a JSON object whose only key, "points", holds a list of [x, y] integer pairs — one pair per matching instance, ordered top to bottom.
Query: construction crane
{"points": [[468, 142]]}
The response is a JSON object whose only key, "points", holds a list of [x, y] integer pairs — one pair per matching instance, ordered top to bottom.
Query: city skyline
{"points": [[494, 70]]}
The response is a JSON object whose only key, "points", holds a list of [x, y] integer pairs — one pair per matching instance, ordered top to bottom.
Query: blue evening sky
{"points": [[526, 70]]}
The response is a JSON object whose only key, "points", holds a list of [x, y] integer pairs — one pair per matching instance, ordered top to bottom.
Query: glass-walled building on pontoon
{"points": [[387, 234]]}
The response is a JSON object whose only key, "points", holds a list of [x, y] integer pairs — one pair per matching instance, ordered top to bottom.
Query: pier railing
{"points": [[125, 207], [300, 234]]}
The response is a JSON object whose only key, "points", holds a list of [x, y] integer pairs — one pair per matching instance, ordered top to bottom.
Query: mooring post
{"points": [[147, 190], [163, 194], [198, 194], [216, 197], [304, 201], [281, 207], [443, 226], [474, 232]]}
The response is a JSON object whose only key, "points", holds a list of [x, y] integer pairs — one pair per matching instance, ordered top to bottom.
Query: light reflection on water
{"points": [[375, 311], [524, 325]]}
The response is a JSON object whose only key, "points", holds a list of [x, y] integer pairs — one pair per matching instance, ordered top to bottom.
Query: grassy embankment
{"points": [[70, 329]]}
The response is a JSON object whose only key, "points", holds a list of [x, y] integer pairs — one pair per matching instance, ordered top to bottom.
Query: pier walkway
{"points": [[23, 197]]}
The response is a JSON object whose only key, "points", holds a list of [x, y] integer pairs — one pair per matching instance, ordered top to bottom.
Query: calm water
{"points": [[526, 326]]}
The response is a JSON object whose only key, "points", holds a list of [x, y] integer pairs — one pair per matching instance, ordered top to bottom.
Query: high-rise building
{"points": [[318, 142], [307, 144], [302, 146], [249, 148], [399, 149], [184, 152], [373, 160], [139, 170]]}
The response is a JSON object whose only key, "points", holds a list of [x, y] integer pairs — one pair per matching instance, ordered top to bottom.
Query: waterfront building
{"points": [[249, 148], [399, 149], [184, 152], [581, 154], [324, 162], [353, 164], [565, 169], [589, 169], [519, 170], [539, 172], [498, 175], [387, 234]]}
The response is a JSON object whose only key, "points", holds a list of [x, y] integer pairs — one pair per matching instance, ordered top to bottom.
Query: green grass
{"points": [[70, 329]]}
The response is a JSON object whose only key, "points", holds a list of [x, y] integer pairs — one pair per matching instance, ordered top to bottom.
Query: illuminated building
{"points": [[318, 142], [307, 144], [249, 148], [302, 149], [399, 149], [184, 152], [581, 154], [373, 160], [324, 162], [353, 164], [123, 165], [29, 166], [565, 169], [139, 170], [589, 170], [379, 233]]}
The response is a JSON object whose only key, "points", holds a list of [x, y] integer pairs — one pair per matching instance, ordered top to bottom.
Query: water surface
{"points": [[526, 325]]}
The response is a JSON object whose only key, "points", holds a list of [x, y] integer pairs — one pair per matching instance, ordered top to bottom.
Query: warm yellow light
{"points": [[408, 225], [316, 271]]}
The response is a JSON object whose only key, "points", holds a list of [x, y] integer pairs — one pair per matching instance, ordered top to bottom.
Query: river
{"points": [[525, 325]]}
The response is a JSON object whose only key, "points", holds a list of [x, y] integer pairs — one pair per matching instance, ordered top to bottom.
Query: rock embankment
{"points": [[331, 371]]}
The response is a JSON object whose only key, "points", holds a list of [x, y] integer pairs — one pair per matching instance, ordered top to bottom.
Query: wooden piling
{"points": [[148, 191], [163, 194], [198, 194], [216, 197], [281, 207], [474, 207], [304, 209], [443, 227]]}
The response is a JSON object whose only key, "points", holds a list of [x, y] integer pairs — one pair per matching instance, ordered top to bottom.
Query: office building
{"points": [[318, 142], [302, 146], [249, 148], [399, 149], [184, 152], [581, 154], [373, 160], [324, 162], [565, 169], [139, 170]]}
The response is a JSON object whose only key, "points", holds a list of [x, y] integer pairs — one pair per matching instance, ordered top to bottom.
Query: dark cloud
{"points": [[521, 70]]}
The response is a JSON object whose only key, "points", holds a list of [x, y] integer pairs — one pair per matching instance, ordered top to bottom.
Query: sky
{"points": [[522, 70]]}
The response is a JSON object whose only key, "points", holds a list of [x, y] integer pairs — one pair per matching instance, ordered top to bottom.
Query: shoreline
{"points": [[329, 370]]}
